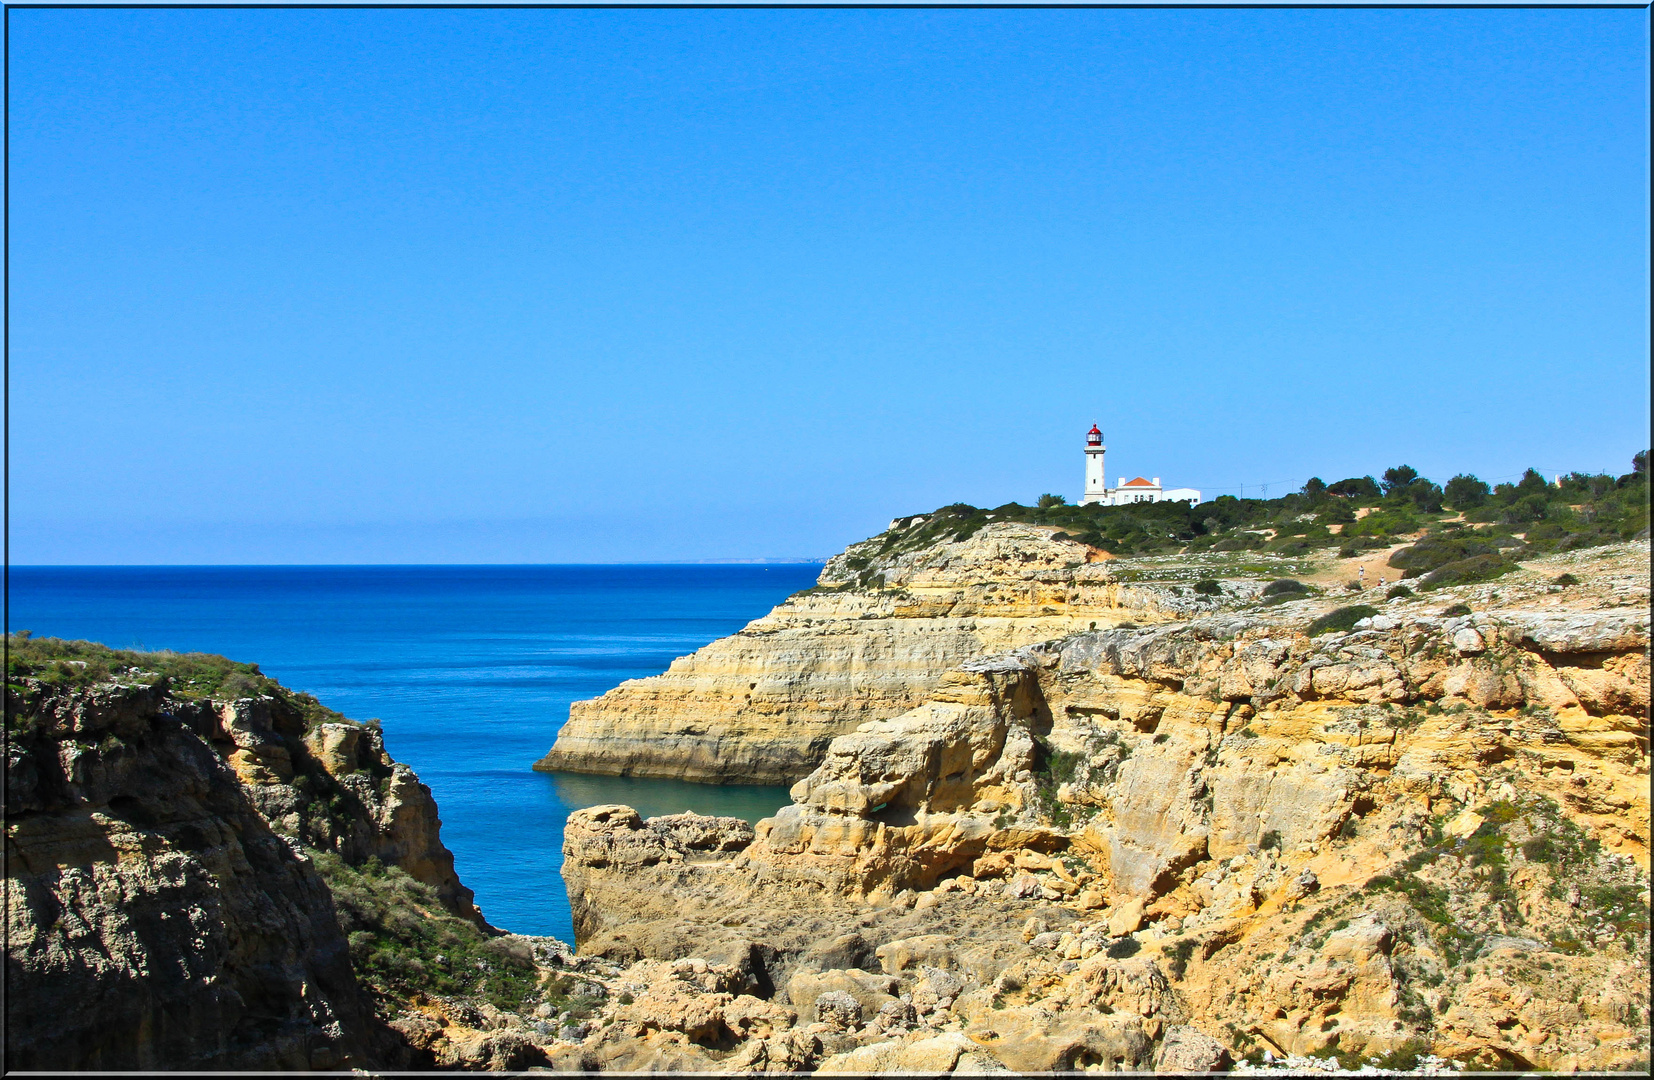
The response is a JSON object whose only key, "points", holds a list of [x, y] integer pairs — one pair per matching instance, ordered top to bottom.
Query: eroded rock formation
{"points": [[884, 624], [1185, 842], [163, 907], [154, 919]]}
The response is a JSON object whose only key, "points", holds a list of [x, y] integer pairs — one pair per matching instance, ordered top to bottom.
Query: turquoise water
{"points": [[471, 669]]}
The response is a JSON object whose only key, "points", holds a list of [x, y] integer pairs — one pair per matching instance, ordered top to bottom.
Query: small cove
{"points": [[471, 670]]}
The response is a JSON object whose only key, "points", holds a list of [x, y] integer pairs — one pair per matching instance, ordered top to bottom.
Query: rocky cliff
{"points": [[887, 619], [1249, 834], [231, 876], [154, 919]]}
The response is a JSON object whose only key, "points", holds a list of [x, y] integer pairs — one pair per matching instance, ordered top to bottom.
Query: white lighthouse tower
{"points": [[1096, 490], [1138, 490]]}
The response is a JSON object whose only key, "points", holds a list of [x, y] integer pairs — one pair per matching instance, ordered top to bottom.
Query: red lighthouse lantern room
{"points": [[1094, 437]]}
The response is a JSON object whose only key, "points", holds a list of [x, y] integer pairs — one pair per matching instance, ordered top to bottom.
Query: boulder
{"points": [[1127, 919], [871, 991], [838, 1010], [1186, 1050]]}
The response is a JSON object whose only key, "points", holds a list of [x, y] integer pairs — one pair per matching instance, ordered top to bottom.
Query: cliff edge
{"points": [[886, 619], [1415, 835], [207, 871]]}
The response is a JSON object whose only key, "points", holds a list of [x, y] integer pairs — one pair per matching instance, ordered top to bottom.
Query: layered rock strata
{"points": [[870, 641], [1191, 842], [163, 909]]}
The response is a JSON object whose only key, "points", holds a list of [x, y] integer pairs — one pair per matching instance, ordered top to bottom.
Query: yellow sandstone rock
{"points": [[762, 705], [1364, 843]]}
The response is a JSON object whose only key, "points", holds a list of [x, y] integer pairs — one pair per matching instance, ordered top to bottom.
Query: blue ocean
{"points": [[470, 669]]}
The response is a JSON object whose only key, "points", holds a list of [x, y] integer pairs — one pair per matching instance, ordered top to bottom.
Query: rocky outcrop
{"points": [[870, 641], [383, 810], [1428, 834], [616, 842], [164, 906], [154, 919], [733, 968]]}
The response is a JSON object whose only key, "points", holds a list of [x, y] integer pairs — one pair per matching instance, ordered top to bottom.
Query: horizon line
{"points": [[799, 561]]}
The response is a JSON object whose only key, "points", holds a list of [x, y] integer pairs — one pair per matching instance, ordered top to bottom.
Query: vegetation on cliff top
{"points": [[1582, 510], [50, 663], [406, 947]]}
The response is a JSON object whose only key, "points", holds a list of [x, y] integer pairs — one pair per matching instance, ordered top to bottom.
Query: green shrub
{"points": [[1399, 477], [1404, 482], [1355, 487], [1465, 492], [1426, 496], [1608, 508], [1524, 510], [1334, 512], [1386, 522], [1546, 530], [1587, 539], [1243, 541], [1354, 546], [1434, 552], [1467, 571], [1565, 580], [1285, 586], [1208, 587], [1398, 592], [1455, 610], [1341, 619], [188, 676], [1055, 768], [1484, 846], [1539, 849], [1428, 900], [1622, 907], [403, 944], [1568, 945], [1126, 946], [1177, 956], [1404, 1058]]}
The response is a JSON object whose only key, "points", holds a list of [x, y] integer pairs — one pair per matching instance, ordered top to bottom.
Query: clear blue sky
{"points": [[591, 286]]}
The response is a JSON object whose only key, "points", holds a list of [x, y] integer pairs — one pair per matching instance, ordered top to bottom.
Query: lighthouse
{"points": [[1096, 490], [1129, 491]]}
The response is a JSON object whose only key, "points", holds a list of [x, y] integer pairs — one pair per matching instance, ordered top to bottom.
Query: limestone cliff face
{"points": [[881, 628], [383, 811], [1191, 842], [162, 910]]}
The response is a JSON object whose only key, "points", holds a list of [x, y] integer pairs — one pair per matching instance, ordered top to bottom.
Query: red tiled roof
{"points": [[1139, 482]]}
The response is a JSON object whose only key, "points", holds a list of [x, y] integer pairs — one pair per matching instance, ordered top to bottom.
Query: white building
{"points": [[1128, 491]]}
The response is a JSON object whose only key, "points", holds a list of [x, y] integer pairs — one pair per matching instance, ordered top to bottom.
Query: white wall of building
{"points": [[1096, 484], [1098, 491]]}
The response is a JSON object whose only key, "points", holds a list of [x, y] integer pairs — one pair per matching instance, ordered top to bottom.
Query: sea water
{"points": [[470, 669]]}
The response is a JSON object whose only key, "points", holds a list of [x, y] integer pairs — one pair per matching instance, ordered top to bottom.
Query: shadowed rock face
{"points": [[762, 705], [1188, 842], [160, 911], [154, 920]]}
